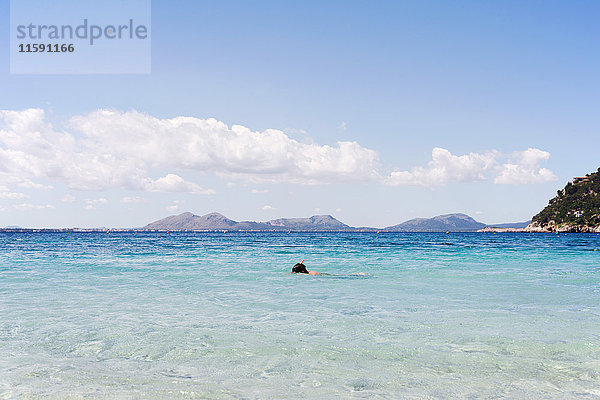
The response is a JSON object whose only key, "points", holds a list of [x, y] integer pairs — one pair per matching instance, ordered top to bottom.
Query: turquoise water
{"points": [[213, 315]]}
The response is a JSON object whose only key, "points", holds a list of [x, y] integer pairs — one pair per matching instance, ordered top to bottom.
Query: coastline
{"points": [[547, 229], [372, 231]]}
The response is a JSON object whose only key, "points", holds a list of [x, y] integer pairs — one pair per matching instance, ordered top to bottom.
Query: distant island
{"points": [[576, 208], [215, 221], [317, 223]]}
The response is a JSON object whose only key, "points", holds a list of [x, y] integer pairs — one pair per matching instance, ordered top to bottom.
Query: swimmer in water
{"points": [[300, 268]]}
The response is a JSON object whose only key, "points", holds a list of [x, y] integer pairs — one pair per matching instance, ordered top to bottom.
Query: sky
{"points": [[374, 112]]}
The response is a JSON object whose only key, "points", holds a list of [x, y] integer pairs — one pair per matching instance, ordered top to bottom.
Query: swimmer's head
{"points": [[299, 268]]}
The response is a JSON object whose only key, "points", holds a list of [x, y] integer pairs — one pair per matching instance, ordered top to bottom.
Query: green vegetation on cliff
{"points": [[577, 204]]}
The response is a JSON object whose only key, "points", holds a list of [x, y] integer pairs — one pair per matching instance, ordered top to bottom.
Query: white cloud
{"points": [[343, 127], [110, 149], [445, 168], [524, 168], [10, 178], [175, 183], [28, 184], [259, 191], [12, 195], [68, 198], [101, 200], [134, 200], [90, 204], [175, 205], [30, 207], [268, 208], [317, 209], [338, 210]]}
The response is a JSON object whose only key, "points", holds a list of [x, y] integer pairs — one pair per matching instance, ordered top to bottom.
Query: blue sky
{"points": [[482, 80]]}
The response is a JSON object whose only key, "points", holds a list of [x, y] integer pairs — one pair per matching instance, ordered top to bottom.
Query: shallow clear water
{"points": [[213, 315]]}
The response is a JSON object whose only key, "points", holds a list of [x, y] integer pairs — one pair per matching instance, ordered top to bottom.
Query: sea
{"points": [[200, 315]]}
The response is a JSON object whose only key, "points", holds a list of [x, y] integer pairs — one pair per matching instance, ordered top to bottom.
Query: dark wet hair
{"points": [[299, 268]]}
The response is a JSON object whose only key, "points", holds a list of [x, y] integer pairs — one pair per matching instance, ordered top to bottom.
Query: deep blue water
{"points": [[214, 315]]}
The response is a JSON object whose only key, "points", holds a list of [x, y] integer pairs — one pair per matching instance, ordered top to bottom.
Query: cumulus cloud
{"points": [[208, 145], [109, 149], [444, 168], [524, 168], [175, 183], [28, 184], [259, 191], [5, 194], [68, 198], [101, 200], [134, 200], [90, 204], [175, 205], [30, 207], [269, 208]]}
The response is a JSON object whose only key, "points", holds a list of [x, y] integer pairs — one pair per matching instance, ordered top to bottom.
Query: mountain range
{"points": [[216, 221], [319, 223]]}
